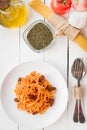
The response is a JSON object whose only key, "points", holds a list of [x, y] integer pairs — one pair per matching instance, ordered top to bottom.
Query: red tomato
{"points": [[61, 6]]}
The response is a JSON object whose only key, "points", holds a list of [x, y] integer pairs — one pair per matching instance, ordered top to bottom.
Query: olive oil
{"points": [[13, 16]]}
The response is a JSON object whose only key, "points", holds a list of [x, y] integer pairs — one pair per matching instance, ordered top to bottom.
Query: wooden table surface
{"points": [[61, 54]]}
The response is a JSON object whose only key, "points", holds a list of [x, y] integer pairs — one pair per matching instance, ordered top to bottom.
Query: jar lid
{"points": [[4, 4]]}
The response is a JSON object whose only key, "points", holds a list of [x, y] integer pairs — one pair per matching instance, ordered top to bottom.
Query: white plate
{"points": [[23, 118]]}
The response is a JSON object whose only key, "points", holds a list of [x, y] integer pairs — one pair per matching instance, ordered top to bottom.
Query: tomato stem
{"points": [[64, 2]]}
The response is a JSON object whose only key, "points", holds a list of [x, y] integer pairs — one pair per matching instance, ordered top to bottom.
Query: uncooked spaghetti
{"points": [[34, 93]]}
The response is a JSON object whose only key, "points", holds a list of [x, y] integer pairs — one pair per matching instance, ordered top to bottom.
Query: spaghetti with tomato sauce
{"points": [[34, 93]]}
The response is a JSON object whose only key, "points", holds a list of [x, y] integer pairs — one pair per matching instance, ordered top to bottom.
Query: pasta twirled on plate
{"points": [[34, 93]]}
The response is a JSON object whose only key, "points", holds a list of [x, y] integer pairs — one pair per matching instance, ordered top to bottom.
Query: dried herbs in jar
{"points": [[40, 36]]}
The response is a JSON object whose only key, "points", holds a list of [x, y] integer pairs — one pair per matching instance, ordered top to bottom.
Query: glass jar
{"points": [[80, 5], [14, 14], [38, 35]]}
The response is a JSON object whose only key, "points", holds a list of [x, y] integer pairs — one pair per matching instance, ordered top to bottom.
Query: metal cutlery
{"points": [[78, 70]]}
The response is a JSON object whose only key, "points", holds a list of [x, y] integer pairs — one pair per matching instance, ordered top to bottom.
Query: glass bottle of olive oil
{"points": [[14, 15]]}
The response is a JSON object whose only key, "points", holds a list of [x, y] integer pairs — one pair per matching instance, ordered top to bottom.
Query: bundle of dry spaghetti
{"points": [[34, 93]]}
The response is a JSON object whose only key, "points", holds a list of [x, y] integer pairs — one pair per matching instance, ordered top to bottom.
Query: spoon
{"points": [[78, 70]]}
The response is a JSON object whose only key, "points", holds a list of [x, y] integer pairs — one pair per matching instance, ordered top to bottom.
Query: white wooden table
{"points": [[14, 51]]}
